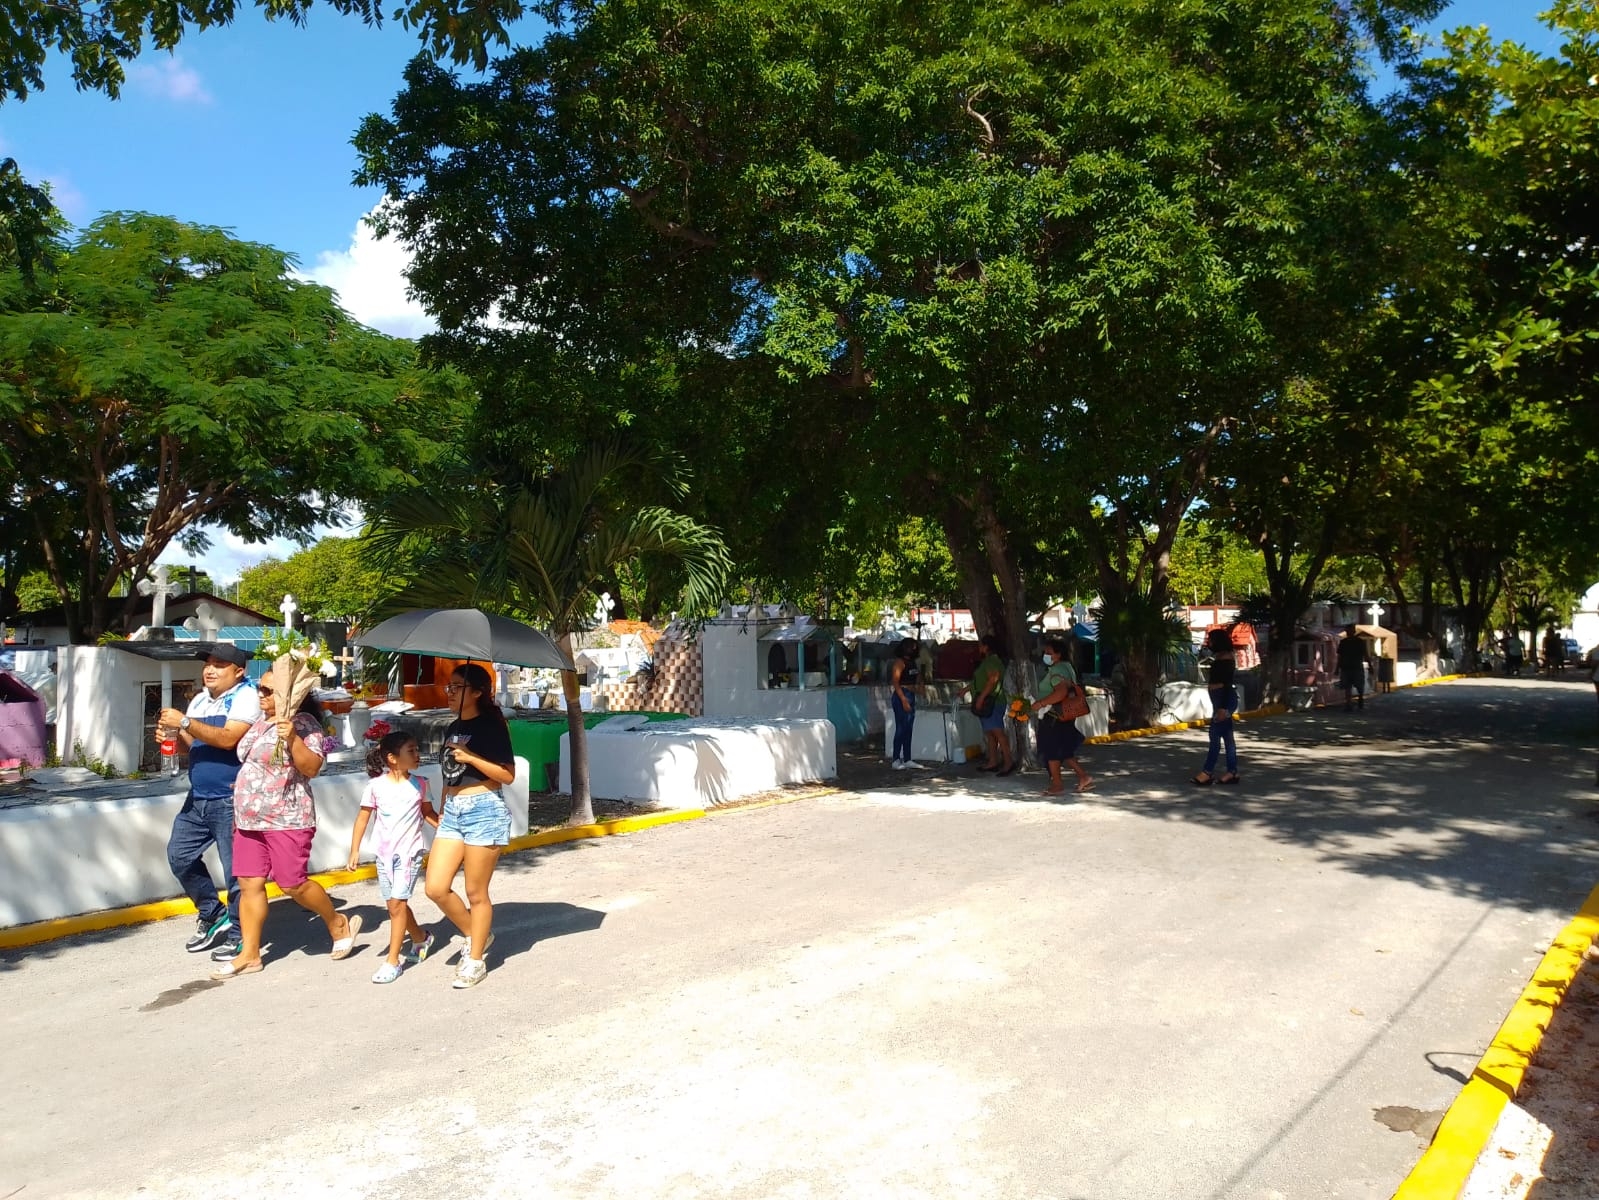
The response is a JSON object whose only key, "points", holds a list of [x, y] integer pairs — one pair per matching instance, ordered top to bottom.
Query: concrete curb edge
{"points": [[1444, 1168]]}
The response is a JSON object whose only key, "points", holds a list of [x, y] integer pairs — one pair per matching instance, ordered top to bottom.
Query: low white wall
{"points": [[696, 764], [82, 855]]}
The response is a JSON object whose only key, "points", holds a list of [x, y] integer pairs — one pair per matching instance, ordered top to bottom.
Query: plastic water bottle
{"points": [[169, 755]]}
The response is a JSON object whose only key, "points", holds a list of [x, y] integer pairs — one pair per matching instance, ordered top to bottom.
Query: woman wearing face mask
{"points": [[1058, 738], [477, 762]]}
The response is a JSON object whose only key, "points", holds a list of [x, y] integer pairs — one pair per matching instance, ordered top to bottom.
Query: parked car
{"points": [[1574, 652]]}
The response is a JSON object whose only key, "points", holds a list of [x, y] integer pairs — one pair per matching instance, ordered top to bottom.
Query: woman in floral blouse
{"points": [[274, 820]]}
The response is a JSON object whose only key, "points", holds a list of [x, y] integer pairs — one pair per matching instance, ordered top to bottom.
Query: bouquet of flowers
{"points": [[298, 665], [1020, 710], [378, 730]]}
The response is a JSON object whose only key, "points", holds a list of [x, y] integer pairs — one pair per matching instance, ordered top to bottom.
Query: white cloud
{"points": [[169, 79], [370, 280], [229, 554]]}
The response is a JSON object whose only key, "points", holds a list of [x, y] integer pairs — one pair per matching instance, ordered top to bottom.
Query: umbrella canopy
{"points": [[465, 633]]}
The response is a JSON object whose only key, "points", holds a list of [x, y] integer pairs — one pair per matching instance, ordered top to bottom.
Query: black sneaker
{"points": [[205, 936], [228, 950]]}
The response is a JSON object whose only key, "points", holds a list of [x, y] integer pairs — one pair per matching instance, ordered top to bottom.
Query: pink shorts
{"points": [[280, 855]]}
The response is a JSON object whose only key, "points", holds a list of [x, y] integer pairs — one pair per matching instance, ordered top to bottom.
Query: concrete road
{"points": [[952, 989]]}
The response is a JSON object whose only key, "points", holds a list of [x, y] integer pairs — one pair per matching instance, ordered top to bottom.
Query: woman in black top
{"points": [[1223, 706], [476, 822]]}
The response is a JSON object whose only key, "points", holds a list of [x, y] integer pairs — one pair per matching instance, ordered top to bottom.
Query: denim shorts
{"points": [[483, 819], [397, 875]]}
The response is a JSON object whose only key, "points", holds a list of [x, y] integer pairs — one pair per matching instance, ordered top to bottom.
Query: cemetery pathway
{"points": [[945, 988]]}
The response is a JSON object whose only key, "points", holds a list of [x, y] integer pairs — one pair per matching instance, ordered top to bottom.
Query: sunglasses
{"points": [[264, 691]]}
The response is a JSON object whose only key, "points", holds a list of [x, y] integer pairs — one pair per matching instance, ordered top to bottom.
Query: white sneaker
{"points": [[912, 765], [898, 766], [470, 973]]}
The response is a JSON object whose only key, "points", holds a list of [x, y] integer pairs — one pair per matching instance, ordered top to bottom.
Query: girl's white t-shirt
{"points": [[398, 805]]}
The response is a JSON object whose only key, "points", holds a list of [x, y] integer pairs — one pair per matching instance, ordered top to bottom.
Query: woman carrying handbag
{"points": [[1059, 702]]}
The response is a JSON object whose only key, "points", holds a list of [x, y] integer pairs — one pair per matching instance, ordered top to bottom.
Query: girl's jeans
{"points": [[904, 718], [1221, 731]]}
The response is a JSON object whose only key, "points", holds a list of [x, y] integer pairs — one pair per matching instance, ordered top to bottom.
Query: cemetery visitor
{"points": [[1554, 651], [1514, 653], [1352, 667], [904, 679], [988, 706], [1223, 708], [211, 727], [1058, 737], [399, 800], [274, 818], [476, 822]]}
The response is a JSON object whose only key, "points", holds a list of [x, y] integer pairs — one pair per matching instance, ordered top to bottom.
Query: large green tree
{"points": [[1034, 259], [170, 375]]}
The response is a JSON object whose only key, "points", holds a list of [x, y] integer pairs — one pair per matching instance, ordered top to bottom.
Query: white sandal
{"points": [[343, 946]]}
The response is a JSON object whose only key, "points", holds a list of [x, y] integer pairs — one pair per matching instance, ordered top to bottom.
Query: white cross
{"points": [[288, 608], [1376, 609], [346, 660]]}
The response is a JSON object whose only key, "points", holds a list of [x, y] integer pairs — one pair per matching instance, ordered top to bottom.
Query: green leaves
{"points": [[174, 375]]}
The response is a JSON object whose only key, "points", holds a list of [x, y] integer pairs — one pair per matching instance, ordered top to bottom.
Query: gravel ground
{"points": [[1546, 1144]]}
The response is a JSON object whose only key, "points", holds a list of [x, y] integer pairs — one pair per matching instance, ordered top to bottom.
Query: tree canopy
{"points": [[1024, 264], [168, 375]]}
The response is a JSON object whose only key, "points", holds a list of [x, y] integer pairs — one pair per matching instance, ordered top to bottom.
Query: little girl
{"points": [[401, 803]]}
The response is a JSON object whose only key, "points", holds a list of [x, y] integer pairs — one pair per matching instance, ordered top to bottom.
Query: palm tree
{"points": [[537, 549]]}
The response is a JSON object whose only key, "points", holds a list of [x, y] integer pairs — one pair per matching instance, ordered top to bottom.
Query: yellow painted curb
{"points": [[1127, 735], [572, 833], [34, 933], [1469, 1123]]}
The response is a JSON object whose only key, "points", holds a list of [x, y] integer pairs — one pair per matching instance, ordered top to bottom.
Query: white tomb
{"points": [[702, 763]]}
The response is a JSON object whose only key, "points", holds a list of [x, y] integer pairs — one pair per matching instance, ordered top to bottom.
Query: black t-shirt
{"points": [[1222, 671], [485, 735]]}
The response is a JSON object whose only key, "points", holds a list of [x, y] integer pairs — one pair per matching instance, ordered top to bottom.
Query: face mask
{"points": [[1049, 660]]}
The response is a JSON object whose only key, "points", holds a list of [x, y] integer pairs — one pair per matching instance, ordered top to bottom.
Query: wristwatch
{"points": [[184, 724]]}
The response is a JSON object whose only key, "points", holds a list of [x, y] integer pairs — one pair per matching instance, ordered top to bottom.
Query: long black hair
{"points": [[478, 679], [377, 758]]}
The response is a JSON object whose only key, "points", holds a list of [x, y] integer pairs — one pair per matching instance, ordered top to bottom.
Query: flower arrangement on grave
{"points": [[298, 667], [378, 730]]}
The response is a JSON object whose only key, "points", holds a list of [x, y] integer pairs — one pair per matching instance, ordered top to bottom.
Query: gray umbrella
{"points": [[465, 633]]}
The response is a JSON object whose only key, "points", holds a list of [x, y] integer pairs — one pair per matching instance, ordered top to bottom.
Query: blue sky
{"points": [[249, 128]]}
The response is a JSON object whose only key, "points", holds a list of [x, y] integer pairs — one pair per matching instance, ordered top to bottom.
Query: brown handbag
{"points": [[1074, 703]]}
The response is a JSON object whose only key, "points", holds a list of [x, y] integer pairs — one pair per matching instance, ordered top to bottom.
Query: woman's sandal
{"points": [[1203, 779], [1228, 779], [342, 946], [228, 971]]}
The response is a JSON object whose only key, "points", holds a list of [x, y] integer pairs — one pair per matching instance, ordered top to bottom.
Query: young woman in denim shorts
{"points": [[476, 823]]}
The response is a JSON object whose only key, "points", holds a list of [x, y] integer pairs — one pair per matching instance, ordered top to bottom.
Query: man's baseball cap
{"points": [[226, 651]]}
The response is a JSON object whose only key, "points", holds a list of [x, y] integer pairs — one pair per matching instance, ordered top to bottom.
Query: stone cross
{"points": [[288, 608], [1376, 609], [346, 660]]}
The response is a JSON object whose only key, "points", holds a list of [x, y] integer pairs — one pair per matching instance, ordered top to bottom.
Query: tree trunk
{"points": [[971, 565], [577, 741]]}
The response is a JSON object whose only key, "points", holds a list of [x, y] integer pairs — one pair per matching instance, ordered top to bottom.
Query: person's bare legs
{"points": [[1084, 779], [1056, 787], [444, 860], [480, 864], [311, 897], [252, 920], [401, 922]]}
